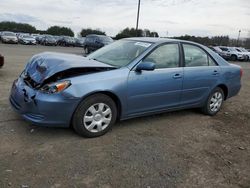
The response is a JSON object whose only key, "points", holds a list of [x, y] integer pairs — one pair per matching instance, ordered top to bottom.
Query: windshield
{"points": [[9, 34], [27, 37], [50, 37], [106, 39], [233, 49], [243, 50], [120, 53]]}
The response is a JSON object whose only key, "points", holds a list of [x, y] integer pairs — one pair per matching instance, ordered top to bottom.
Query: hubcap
{"points": [[216, 101], [97, 117]]}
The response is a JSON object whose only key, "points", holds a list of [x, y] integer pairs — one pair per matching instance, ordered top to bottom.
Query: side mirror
{"points": [[147, 66]]}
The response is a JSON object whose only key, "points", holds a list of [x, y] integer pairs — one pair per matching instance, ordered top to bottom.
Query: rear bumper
{"points": [[234, 90], [54, 110]]}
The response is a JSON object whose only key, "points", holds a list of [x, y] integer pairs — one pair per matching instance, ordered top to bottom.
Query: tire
{"points": [[86, 49], [234, 58], [247, 58], [214, 102], [94, 116]]}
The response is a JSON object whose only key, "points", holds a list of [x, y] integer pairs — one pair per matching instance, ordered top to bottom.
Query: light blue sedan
{"points": [[126, 79]]}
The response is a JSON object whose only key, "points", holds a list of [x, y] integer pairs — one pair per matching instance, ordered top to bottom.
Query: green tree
{"points": [[17, 27], [57, 30], [85, 32], [127, 32], [131, 32], [214, 41], [247, 43]]}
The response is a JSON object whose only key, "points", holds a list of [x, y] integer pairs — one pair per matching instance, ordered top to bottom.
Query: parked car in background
{"points": [[34, 35], [9, 37], [56, 38], [27, 39], [39, 39], [48, 40], [66, 41], [80, 42], [94, 42], [244, 51], [224, 54], [234, 54], [1, 61], [128, 78]]}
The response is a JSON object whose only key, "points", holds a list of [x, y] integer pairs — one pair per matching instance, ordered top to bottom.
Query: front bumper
{"points": [[11, 41], [29, 42], [241, 57], [53, 110]]}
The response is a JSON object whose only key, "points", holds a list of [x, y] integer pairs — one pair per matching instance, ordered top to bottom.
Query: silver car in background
{"points": [[9, 37], [27, 39], [244, 51]]}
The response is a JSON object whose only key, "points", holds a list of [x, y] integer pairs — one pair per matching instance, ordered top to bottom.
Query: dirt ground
{"points": [[177, 149]]}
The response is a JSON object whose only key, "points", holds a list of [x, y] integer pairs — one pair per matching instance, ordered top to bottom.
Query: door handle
{"points": [[215, 72], [177, 76]]}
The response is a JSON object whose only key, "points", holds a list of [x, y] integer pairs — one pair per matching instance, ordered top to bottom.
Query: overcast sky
{"points": [[167, 17]]}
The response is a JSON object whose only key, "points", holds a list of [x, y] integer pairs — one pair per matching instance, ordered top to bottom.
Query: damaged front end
{"points": [[36, 93]]}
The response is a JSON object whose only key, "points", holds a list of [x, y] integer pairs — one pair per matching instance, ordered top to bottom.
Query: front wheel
{"points": [[86, 49], [234, 58], [214, 102], [95, 116]]}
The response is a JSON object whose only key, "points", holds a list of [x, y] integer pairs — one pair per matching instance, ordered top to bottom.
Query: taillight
{"points": [[241, 72]]}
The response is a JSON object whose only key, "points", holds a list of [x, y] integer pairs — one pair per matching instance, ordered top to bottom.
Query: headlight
{"points": [[55, 87]]}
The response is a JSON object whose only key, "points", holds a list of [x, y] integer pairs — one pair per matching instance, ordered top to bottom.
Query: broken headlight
{"points": [[55, 87]]}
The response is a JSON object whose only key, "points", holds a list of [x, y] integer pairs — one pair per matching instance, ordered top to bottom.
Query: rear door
{"points": [[201, 74], [160, 88]]}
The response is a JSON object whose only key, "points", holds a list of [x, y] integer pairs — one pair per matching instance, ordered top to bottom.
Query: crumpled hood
{"points": [[44, 65]]}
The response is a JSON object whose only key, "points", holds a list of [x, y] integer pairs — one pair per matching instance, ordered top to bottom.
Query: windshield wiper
{"points": [[104, 62]]}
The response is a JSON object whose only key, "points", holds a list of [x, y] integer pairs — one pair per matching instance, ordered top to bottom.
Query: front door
{"points": [[158, 89]]}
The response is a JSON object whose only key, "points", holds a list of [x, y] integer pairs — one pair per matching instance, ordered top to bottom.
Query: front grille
{"points": [[29, 81]]}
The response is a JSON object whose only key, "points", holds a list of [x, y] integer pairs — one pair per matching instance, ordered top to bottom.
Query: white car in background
{"points": [[9, 37], [27, 39], [244, 51], [234, 54]]}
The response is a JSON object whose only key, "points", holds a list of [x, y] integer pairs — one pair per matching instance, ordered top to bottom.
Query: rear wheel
{"points": [[233, 57], [214, 102], [95, 116]]}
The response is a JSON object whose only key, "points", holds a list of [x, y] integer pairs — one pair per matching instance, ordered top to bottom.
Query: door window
{"points": [[165, 56], [195, 56]]}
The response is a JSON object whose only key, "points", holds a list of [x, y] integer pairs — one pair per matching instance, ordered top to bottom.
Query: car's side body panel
{"points": [[198, 82]]}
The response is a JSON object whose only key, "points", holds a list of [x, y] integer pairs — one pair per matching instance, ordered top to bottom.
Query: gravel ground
{"points": [[177, 149]]}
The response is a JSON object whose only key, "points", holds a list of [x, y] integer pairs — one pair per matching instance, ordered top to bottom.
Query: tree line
{"points": [[127, 32]]}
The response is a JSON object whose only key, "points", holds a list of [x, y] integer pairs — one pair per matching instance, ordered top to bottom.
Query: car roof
{"points": [[158, 40]]}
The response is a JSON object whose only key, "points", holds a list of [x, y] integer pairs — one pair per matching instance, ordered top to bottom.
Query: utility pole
{"points": [[138, 14], [238, 38]]}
